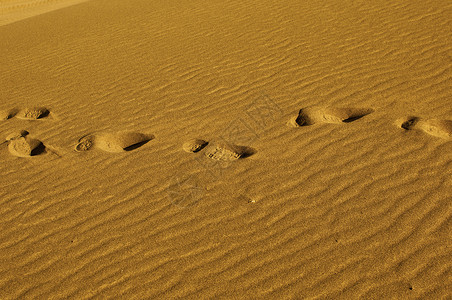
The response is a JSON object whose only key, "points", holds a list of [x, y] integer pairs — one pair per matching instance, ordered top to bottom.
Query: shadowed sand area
{"points": [[194, 187]]}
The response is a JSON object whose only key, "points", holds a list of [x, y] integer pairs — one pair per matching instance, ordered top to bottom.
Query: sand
{"points": [[225, 149]]}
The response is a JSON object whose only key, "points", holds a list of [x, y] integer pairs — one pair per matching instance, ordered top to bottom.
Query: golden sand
{"points": [[195, 187]]}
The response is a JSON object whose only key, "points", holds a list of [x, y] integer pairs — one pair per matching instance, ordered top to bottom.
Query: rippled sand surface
{"points": [[225, 149]]}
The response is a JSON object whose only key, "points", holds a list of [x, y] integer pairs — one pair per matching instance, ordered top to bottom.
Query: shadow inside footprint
{"points": [[45, 113], [354, 118], [410, 123], [137, 145], [40, 149], [246, 151]]}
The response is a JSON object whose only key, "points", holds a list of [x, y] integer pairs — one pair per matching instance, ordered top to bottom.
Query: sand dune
{"points": [[15, 10], [144, 151]]}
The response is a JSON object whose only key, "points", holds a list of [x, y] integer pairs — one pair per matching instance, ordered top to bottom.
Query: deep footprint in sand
{"points": [[33, 113], [313, 115], [435, 127], [113, 141], [22, 145], [218, 151]]}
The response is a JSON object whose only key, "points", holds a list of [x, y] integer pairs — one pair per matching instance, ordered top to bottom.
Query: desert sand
{"points": [[225, 149]]}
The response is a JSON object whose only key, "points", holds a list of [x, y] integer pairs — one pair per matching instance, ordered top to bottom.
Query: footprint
{"points": [[33, 113], [6, 114], [313, 115], [435, 127], [113, 142], [22, 145], [218, 151], [228, 152]]}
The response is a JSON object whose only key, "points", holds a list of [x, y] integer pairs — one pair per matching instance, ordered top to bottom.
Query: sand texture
{"points": [[226, 149]]}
